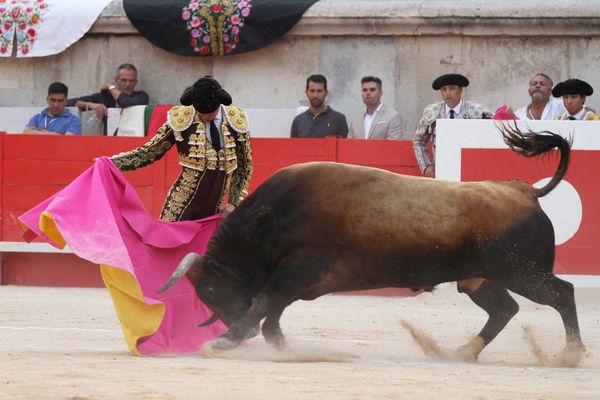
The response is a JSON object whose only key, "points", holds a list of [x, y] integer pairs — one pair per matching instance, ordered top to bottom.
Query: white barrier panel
{"points": [[264, 122], [270, 122]]}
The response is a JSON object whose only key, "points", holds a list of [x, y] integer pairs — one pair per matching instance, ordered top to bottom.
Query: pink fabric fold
{"points": [[504, 112], [102, 220]]}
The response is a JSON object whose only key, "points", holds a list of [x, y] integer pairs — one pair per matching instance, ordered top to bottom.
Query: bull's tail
{"points": [[530, 144], [184, 266]]}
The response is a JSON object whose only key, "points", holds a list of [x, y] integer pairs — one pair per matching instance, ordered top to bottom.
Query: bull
{"points": [[319, 227]]}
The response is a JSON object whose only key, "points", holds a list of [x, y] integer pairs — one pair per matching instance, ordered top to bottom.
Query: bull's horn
{"points": [[188, 261], [209, 321]]}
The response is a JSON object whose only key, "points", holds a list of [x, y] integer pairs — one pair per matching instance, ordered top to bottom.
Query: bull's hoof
{"points": [[253, 332], [277, 341], [223, 343], [470, 351], [464, 354], [571, 355]]}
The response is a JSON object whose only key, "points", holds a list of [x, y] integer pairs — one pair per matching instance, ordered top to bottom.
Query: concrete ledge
{"points": [[457, 8], [419, 18], [447, 26], [23, 247]]}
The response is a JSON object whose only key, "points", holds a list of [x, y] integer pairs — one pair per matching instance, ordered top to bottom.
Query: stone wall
{"points": [[407, 43]]}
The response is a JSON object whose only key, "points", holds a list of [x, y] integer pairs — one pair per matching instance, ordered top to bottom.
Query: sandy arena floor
{"points": [[58, 343]]}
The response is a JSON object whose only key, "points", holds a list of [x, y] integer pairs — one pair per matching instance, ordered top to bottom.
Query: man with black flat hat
{"points": [[573, 93], [452, 106], [213, 143]]}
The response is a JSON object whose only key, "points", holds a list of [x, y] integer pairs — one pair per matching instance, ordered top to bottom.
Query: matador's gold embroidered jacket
{"points": [[187, 131]]}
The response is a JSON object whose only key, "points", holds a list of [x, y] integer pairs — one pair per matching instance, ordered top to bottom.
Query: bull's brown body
{"points": [[318, 228]]}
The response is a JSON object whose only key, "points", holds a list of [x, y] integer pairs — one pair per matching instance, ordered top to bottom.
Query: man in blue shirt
{"points": [[56, 118]]}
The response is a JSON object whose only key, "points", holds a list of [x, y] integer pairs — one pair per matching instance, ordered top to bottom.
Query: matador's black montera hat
{"points": [[206, 95]]}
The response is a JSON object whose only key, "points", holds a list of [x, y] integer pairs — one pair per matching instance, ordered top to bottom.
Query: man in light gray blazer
{"points": [[377, 122]]}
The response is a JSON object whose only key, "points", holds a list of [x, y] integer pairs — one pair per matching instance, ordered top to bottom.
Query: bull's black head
{"points": [[219, 291]]}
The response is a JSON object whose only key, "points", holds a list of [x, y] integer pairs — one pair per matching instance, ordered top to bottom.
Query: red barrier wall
{"points": [[2, 135], [34, 167], [581, 253]]}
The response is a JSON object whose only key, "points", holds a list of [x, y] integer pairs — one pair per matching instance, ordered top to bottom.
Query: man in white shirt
{"points": [[574, 93], [542, 105], [452, 106], [377, 122]]}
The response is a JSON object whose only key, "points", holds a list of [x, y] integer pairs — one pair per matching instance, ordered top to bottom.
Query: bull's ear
{"points": [[211, 267]]}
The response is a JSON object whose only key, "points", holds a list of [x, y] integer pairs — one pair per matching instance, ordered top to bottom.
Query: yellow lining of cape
{"points": [[48, 226], [137, 318]]}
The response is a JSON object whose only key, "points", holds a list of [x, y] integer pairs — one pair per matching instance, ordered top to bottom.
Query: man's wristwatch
{"points": [[111, 87]]}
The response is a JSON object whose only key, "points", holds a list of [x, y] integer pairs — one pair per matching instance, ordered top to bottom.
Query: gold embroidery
{"points": [[589, 116], [180, 117], [237, 118], [147, 153], [198, 154], [201, 154], [241, 177], [224, 193], [180, 195]]}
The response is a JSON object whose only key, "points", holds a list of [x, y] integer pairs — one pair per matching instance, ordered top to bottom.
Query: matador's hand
{"points": [[228, 209]]}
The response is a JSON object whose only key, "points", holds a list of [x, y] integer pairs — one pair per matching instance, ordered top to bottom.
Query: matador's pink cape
{"points": [[100, 217]]}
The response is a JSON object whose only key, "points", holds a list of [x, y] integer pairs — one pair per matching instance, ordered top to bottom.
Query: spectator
{"points": [[574, 93], [121, 94], [542, 105], [452, 106], [55, 118], [319, 120], [377, 122]]}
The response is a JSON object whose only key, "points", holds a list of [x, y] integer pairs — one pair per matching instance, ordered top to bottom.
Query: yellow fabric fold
{"points": [[48, 226], [138, 319]]}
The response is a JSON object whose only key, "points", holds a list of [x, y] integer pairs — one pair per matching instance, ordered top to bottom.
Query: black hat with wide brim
{"points": [[450, 79], [572, 86], [206, 95]]}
